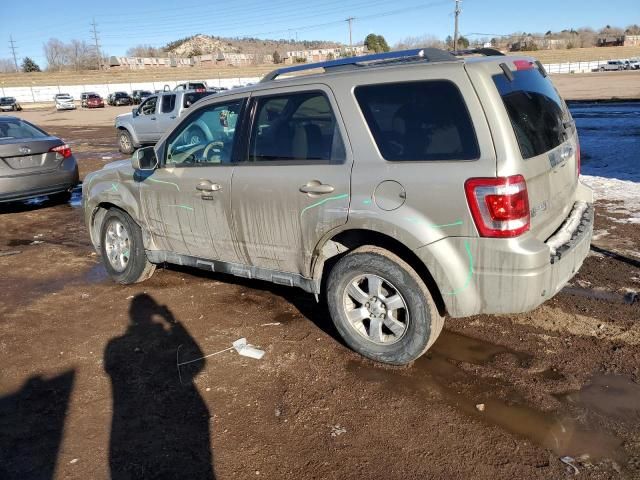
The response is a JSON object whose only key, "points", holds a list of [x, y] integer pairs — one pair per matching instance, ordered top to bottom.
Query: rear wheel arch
{"points": [[348, 240]]}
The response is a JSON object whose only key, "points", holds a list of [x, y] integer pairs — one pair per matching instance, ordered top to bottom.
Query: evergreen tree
{"points": [[28, 65]]}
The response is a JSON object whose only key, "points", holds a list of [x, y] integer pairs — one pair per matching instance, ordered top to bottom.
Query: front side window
{"points": [[168, 103], [149, 106], [413, 121], [297, 127], [206, 137]]}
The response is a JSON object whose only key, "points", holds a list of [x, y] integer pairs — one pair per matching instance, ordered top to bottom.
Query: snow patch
{"points": [[624, 191]]}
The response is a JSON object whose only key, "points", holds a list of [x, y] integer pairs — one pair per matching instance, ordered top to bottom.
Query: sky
{"points": [[124, 23]]}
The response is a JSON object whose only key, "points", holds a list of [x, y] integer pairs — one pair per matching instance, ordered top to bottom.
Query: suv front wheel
{"points": [[122, 249], [381, 307]]}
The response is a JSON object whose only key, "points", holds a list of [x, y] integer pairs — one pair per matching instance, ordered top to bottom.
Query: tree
{"points": [[449, 41], [463, 42], [376, 43], [55, 53], [80, 55], [276, 57], [7, 65], [28, 65]]}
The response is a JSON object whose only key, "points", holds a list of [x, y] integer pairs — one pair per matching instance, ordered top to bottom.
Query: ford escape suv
{"points": [[403, 187]]}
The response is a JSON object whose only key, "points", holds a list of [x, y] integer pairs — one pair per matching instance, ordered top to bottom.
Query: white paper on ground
{"points": [[247, 350]]}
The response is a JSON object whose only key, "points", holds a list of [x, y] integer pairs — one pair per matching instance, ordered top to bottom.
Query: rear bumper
{"points": [[33, 185], [496, 276]]}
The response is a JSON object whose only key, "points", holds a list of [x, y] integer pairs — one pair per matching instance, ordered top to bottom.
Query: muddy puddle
{"points": [[437, 373]]}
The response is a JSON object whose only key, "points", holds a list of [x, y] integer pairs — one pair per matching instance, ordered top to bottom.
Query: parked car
{"points": [[632, 64], [612, 65], [196, 86], [138, 95], [83, 98], [120, 98], [64, 101], [94, 101], [9, 104], [155, 115], [33, 163], [416, 186]]}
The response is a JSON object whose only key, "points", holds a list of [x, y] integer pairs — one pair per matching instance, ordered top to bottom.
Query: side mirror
{"points": [[134, 112], [144, 159]]}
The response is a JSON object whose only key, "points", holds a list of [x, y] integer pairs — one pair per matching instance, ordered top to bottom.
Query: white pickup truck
{"points": [[613, 65], [154, 116]]}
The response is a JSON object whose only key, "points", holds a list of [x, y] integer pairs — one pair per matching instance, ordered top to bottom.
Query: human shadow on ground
{"points": [[160, 424], [31, 427]]}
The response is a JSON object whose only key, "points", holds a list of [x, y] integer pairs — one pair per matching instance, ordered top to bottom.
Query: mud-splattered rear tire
{"points": [[122, 248], [381, 307]]}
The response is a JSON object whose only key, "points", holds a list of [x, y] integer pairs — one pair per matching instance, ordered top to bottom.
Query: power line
{"points": [[95, 38], [12, 45]]}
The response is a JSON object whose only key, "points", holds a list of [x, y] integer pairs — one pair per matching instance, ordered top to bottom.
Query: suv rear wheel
{"points": [[123, 250], [381, 307]]}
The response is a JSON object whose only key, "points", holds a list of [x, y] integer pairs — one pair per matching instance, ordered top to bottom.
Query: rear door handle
{"points": [[172, 117], [207, 186], [315, 186]]}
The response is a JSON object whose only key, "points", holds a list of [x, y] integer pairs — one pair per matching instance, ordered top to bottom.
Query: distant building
{"points": [[632, 40], [610, 41], [322, 54], [138, 63]]}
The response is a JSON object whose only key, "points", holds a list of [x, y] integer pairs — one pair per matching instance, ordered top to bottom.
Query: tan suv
{"points": [[403, 187]]}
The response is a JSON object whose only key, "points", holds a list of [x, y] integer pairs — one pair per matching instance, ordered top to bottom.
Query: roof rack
{"points": [[487, 52], [416, 54]]}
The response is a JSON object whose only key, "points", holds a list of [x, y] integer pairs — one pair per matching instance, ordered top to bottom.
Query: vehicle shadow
{"points": [[32, 205], [305, 303], [160, 424], [31, 426]]}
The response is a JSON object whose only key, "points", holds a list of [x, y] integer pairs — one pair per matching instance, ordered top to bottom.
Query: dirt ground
{"points": [[90, 385]]}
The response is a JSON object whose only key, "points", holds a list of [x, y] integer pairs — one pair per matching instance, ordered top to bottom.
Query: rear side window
{"points": [[192, 97], [168, 103], [537, 113], [419, 121], [297, 127]]}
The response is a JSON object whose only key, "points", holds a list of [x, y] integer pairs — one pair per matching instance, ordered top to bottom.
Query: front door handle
{"points": [[172, 117], [207, 186], [316, 187]]}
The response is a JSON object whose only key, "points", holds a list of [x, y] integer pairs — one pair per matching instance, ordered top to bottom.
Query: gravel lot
{"points": [[87, 364]]}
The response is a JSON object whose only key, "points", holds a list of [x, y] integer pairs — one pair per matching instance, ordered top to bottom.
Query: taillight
{"points": [[63, 150], [499, 206]]}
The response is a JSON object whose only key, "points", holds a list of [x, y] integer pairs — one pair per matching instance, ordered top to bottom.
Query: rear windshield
{"points": [[192, 97], [5, 100], [538, 115], [426, 120], [19, 129]]}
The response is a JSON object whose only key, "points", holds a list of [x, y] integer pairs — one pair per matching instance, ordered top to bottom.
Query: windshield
{"points": [[6, 100], [538, 115], [10, 129]]}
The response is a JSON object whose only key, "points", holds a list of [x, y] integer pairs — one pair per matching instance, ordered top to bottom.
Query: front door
{"points": [[168, 114], [145, 123], [292, 185], [187, 201]]}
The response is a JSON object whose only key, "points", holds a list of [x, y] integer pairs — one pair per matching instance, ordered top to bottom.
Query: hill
{"points": [[203, 44]]}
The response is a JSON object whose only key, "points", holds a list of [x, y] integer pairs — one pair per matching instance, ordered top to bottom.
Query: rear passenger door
{"points": [[292, 184]]}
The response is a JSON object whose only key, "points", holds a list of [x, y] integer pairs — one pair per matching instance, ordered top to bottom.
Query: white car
{"points": [[632, 64], [64, 101]]}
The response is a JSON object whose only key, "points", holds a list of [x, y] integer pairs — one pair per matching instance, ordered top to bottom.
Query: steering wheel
{"points": [[215, 144]]}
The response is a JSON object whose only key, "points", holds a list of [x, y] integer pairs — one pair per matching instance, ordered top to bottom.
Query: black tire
{"points": [[125, 142], [138, 268], [422, 320]]}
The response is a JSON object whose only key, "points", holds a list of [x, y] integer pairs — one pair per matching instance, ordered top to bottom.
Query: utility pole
{"points": [[349, 21], [455, 31], [95, 39], [12, 45]]}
